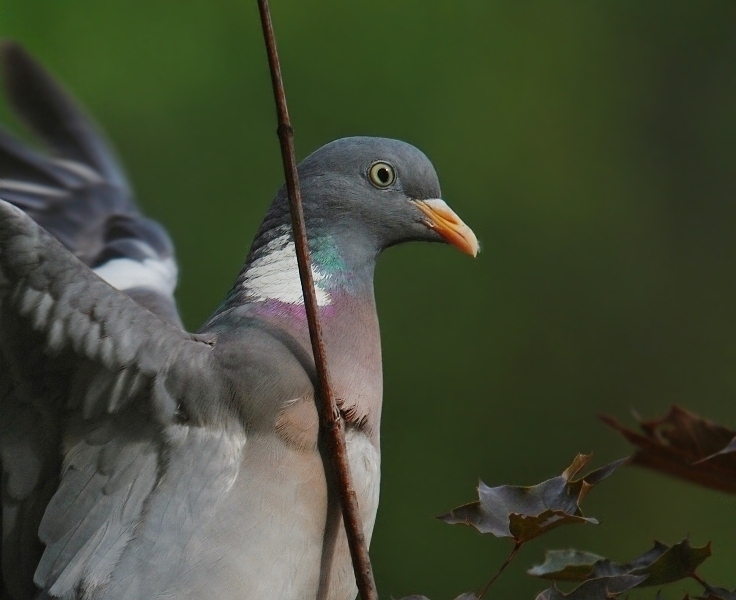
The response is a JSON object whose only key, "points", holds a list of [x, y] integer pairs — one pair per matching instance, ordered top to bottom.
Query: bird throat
{"points": [[271, 273]]}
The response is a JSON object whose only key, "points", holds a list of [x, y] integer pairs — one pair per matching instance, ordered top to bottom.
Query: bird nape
{"points": [[143, 461]]}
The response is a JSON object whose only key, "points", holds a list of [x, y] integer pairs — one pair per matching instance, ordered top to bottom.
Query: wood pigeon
{"points": [[141, 461]]}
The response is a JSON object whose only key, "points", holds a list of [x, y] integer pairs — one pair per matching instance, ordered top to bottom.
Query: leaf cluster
{"points": [[681, 444]]}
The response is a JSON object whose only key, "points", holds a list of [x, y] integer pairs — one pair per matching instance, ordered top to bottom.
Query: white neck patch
{"points": [[275, 275]]}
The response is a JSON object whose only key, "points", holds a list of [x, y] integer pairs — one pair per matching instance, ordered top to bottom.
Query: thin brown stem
{"points": [[331, 423], [505, 564], [697, 578]]}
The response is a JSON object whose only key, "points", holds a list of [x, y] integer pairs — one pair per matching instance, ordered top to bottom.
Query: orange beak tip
{"points": [[449, 225]]}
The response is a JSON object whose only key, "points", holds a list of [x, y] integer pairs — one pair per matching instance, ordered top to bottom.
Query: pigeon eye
{"points": [[382, 174]]}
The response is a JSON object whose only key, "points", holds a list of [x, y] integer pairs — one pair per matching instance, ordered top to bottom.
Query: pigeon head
{"points": [[373, 193], [360, 195]]}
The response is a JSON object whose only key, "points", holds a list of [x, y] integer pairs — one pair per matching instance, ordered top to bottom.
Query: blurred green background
{"points": [[591, 147]]}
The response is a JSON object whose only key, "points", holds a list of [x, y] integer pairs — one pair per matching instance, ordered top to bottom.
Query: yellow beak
{"points": [[445, 221]]}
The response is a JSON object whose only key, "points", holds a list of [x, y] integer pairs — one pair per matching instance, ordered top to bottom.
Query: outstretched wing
{"points": [[78, 192], [86, 368], [93, 381]]}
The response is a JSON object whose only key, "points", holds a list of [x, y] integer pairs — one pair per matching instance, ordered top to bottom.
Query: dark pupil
{"points": [[383, 175]]}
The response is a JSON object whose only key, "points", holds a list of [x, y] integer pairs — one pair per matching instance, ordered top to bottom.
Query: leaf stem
{"points": [[331, 422], [505, 564], [697, 578]]}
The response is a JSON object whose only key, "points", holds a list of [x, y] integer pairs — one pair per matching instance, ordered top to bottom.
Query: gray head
{"points": [[367, 194], [360, 195]]}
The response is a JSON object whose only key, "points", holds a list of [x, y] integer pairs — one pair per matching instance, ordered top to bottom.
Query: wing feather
{"points": [[55, 117], [80, 193], [73, 345]]}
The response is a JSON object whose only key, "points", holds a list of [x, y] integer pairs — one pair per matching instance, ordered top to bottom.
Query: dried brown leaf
{"points": [[685, 445], [523, 513], [661, 564], [567, 565], [602, 588], [716, 593], [468, 596]]}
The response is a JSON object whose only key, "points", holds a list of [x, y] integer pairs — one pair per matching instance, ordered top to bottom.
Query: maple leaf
{"points": [[685, 445], [523, 513], [567, 565], [660, 565], [601, 588], [716, 593], [468, 596]]}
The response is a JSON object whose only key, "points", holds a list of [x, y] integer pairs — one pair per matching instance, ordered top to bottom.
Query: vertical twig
{"points": [[331, 422]]}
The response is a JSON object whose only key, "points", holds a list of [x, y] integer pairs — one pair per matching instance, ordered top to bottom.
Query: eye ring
{"points": [[381, 174]]}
